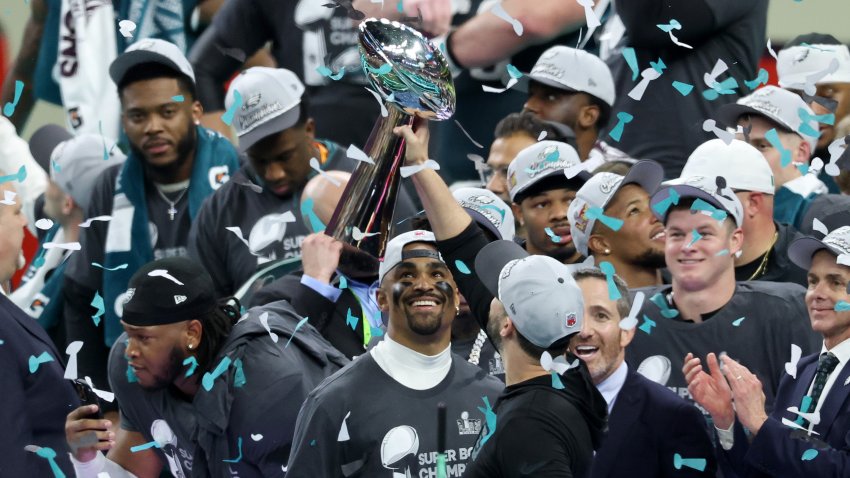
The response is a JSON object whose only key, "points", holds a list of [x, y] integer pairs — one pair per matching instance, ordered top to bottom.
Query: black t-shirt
{"points": [[667, 126], [778, 267], [756, 328], [390, 428], [542, 431]]}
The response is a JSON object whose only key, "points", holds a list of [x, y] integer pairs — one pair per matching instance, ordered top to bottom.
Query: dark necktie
{"points": [[826, 364]]}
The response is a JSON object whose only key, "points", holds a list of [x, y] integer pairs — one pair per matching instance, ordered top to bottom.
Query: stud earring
{"points": [[607, 251], [190, 346]]}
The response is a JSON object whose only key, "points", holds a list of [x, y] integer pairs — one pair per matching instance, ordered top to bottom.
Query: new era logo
{"points": [[179, 298]]}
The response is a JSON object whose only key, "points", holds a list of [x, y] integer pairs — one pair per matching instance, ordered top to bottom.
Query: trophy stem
{"points": [[369, 198]]}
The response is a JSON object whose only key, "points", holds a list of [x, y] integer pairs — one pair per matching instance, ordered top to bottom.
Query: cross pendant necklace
{"points": [[172, 211]]}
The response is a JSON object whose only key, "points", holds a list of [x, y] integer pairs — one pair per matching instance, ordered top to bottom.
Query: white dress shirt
{"points": [[611, 386]]}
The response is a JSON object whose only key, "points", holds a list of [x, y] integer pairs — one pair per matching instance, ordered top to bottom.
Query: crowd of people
{"points": [[647, 276]]}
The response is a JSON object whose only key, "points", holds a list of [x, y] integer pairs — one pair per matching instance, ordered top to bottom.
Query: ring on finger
{"points": [[738, 377]]}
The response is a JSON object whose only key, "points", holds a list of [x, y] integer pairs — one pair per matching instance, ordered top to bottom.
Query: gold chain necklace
{"points": [[762, 268]]}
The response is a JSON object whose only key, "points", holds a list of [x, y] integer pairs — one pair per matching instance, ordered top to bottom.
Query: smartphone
{"points": [[88, 397]]}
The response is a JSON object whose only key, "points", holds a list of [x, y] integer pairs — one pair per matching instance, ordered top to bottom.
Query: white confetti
{"points": [[501, 13], [589, 15], [126, 28], [770, 50], [647, 76], [710, 79], [490, 89], [384, 111], [710, 126], [542, 136], [357, 154], [314, 163], [407, 171], [9, 198], [90, 220], [44, 224], [819, 226], [238, 231], [359, 235], [70, 246], [165, 275], [264, 319], [631, 320], [72, 349], [558, 365], [791, 366], [103, 394], [813, 418], [343, 430], [256, 437]]}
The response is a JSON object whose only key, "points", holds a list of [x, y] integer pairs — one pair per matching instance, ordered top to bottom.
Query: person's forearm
{"points": [[487, 39], [24, 66], [445, 215]]}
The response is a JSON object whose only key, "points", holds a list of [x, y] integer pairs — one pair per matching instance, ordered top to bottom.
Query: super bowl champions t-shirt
{"points": [[756, 328], [362, 423]]}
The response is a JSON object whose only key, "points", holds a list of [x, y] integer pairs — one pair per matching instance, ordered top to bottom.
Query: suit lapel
{"points": [[33, 328], [805, 376], [833, 402], [625, 413]]}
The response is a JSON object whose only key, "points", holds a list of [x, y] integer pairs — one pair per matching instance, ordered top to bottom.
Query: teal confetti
{"points": [[400, 8], [673, 25], [631, 60], [658, 66], [382, 70], [325, 71], [514, 72], [762, 79], [725, 87], [683, 88], [178, 98], [9, 108], [227, 117], [806, 117], [617, 132], [773, 138], [56, 166], [803, 168], [20, 176], [662, 206], [716, 214], [613, 223], [316, 224], [554, 237], [695, 237], [722, 252], [39, 260], [461, 267], [111, 269], [608, 269], [343, 282], [97, 303], [842, 306], [666, 311], [351, 320], [737, 322], [647, 324], [297, 326], [376, 331], [35, 362], [192, 362], [239, 374], [131, 375], [209, 378], [556, 381], [805, 403], [489, 418], [313, 442], [144, 446], [809, 454], [50, 455], [239, 457], [694, 463]]}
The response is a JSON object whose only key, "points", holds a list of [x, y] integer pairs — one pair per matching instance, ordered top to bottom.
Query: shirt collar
{"points": [[805, 185], [841, 351], [610, 387]]}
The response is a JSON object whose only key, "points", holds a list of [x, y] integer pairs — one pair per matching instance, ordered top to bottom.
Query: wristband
{"points": [[454, 65], [88, 469]]}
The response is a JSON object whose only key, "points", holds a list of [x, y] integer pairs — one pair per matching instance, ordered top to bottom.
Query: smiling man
{"points": [[149, 201], [630, 237], [704, 310], [189, 377], [377, 416], [654, 423], [778, 437]]}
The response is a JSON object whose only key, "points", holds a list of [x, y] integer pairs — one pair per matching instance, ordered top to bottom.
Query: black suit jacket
{"points": [[329, 318], [34, 403], [648, 425], [777, 450]]}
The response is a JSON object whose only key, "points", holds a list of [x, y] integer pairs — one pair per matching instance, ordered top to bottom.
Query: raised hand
{"points": [[710, 390]]}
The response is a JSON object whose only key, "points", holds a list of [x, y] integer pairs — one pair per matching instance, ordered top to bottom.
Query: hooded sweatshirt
{"points": [[242, 425], [542, 427]]}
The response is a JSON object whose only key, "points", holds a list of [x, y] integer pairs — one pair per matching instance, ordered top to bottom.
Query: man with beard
{"points": [[575, 88], [149, 201], [259, 217], [627, 235], [764, 255], [704, 309], [193, 384], [377, 415], [654, 423]]}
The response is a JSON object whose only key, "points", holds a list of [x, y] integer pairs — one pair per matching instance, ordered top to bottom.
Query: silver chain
{"points": [[172, 211], [475, 353]]}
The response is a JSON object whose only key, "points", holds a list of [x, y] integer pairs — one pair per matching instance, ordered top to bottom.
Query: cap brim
{"points": [[127, 60], [523, 83], [729, 114], [274, 125], [44, 141], [646, 174], [575, 183], [684, 191], [483, 222], [801, 250], [492, 258]]}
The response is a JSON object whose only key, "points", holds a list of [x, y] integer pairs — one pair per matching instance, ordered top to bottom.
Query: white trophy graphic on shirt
{"points": [[656, 368], [167, 441], [399, 449]]}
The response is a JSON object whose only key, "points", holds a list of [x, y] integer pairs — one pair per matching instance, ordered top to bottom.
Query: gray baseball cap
{"points": [[150, 50], [567, 68], [270, 103], [777, 105], [545, 160], [700, 187], [598, 191], [487, 210], [802, 249], [394, 254], [538, 292]]}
